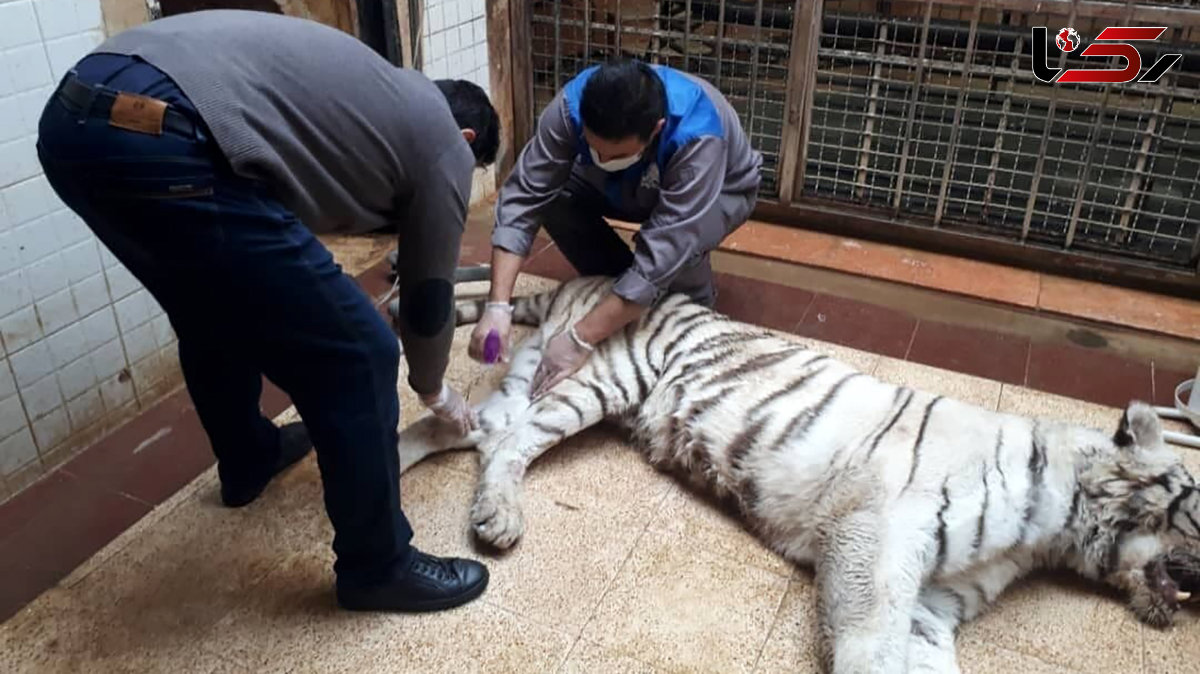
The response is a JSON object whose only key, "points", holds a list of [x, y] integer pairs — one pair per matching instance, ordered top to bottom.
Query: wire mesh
{"points": [[740, 46], [929, 111], [933, 113]]}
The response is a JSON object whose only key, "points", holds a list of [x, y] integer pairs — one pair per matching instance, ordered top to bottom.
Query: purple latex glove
{"points": [[496, 320], [491, 347]]}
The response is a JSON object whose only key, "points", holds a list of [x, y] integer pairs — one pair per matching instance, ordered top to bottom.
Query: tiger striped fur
{"points": [[915, 510]]}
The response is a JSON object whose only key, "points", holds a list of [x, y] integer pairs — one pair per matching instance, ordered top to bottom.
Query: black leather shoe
{"points": [[294, 444], [432, 584]]}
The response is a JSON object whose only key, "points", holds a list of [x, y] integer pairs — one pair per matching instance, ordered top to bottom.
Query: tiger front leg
{"points": [[496, 514], [868, 581], [945, 604], [931, 639]]}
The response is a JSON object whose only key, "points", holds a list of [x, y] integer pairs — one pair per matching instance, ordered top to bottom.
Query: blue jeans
{"points": [[250, 292]]}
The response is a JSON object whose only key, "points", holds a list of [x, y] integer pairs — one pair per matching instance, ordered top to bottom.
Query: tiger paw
{"points": [[496, 516]]}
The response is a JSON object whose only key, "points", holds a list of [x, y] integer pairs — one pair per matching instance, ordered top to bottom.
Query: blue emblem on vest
{"points": [[690, 115]]}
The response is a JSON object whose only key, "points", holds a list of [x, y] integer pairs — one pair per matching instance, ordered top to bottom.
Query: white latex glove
{"points": [[496, 316], [564, 355], [452, 407]]}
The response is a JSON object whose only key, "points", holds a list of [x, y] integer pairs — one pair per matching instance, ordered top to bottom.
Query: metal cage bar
{"points": [[720, 37], [918, 80], [956, 125], [1041, 156], [864, 157]]}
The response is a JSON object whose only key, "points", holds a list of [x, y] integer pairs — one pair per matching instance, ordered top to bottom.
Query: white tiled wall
{"points": [[454, 40], [454, 45], [83, 343]]}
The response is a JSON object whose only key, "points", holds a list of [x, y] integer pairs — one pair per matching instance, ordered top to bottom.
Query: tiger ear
{"points": [[1140, 428]]}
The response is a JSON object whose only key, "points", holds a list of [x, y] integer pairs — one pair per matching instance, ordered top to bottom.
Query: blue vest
{"points": [[690, 115]]}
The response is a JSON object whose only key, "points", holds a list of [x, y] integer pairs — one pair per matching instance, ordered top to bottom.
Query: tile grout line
{"points": [[1037, 301], [807, 308], [912, 339], [1028, 364], [100, 486], [131, 533], [611, 582], [774, 623], [1142, 643], [1026, 654], [223, 657], [562, 664]]}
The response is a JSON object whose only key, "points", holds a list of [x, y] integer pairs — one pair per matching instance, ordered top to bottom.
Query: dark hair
{"points": [[623, 99], [472, 110]]}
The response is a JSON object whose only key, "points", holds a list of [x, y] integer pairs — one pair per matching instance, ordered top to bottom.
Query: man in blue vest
{"points": [[635, 142]]}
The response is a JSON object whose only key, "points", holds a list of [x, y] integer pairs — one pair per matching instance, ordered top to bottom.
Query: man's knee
{"points": [[568, 214]]}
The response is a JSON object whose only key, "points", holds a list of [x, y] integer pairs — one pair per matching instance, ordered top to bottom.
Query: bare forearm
{"points": [[505, 267], [607, 317]]}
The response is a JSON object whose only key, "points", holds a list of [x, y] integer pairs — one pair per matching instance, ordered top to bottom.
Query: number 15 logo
{"points": [[1068, 41]]}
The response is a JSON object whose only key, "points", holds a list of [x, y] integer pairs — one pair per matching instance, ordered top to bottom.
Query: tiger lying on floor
{"points": [[915, 510]]}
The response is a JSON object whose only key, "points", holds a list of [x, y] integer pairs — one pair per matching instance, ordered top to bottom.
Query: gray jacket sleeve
{"points": [[540, 171], [686, 223], [430, 235]]}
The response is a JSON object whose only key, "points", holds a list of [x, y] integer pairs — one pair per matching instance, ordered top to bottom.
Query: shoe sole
{"points": [[431, 606]]}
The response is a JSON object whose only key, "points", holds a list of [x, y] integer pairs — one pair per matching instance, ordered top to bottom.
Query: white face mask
{"points": [[616, 164]]}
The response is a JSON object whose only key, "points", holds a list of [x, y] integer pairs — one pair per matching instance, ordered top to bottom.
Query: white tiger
{"points": [[915, 510]]}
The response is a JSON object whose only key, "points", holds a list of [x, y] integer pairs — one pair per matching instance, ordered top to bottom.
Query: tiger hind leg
{"points": [[427, 436], [496, 514]]}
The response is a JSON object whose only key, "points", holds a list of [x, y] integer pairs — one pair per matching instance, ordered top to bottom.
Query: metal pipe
{"points": [[478, 272], [1183, 439]]}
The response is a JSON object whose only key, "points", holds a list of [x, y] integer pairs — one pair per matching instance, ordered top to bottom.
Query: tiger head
{"points": [[1137, 518]]}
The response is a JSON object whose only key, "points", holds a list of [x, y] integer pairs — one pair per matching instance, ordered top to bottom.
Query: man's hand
{"points": [[496, 316], [569, 350], [564, 355], [451, 406]]}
